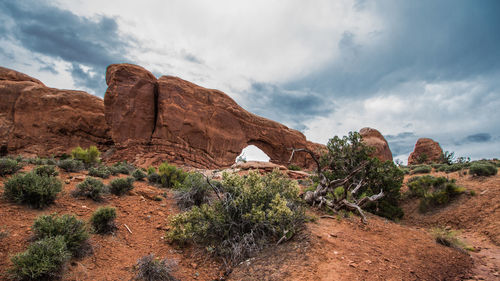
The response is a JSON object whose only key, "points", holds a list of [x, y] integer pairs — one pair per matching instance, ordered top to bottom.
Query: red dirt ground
{"points": [[476, 217], [328, 249]]}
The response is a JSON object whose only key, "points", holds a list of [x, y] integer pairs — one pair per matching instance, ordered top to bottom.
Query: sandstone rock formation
{"points": [[130, 103], [35, 119], [142, 119], [194, 126], [374, 138], [426, 151]]}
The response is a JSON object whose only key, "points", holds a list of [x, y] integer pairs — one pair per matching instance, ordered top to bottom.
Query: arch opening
{"points": [[252, 153]]}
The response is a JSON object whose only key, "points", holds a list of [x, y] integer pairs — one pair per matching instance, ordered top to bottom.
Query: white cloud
{"points": [[239, 42], [444, 111]]}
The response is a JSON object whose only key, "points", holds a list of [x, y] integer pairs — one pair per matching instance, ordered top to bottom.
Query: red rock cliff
{"points": [[35, 119], [193, 125]]}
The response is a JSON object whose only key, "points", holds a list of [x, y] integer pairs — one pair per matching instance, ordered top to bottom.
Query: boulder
{"points": [[130, 103], [35, 119], [373, 138], [426, 151]]}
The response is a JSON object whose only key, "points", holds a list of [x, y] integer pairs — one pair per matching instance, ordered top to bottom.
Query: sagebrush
{"points": [[121, 186], [91, 188], [32, 189], [253, 211], [103, 220], [69, 227], [43, 260], [149, 268]]}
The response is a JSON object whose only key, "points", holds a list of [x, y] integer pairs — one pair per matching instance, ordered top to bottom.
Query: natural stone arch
{"points": [[253, 153]]}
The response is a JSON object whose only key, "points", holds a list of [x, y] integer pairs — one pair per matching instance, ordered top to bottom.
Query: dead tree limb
{"points": [[213, 187], [319, 195]]}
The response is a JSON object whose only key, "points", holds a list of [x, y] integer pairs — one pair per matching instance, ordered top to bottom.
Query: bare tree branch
{"points": [[310, 153]]}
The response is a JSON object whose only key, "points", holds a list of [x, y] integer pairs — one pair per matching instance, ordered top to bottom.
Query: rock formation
{"points": [[130, 103], [35, 119], [142, 119], [194, 126], [374, 138], [426, 151]]}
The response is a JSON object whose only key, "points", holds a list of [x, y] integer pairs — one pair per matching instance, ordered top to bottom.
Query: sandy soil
{"points": [[476, 217], [328, 249]]}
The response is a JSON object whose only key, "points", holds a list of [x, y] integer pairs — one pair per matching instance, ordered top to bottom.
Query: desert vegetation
{"points": [[348, 178], [37, 191], [433, 191], [249, 213], [231, 220]]}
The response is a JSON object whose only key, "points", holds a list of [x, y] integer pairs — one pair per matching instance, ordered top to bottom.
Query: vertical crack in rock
{"points": [[155, 121]]}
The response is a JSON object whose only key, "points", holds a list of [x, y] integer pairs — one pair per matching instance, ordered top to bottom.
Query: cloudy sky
{"points": [[410, 69]]}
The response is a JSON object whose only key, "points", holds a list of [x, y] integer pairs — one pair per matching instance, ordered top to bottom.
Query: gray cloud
{"points": [[424, 40], [83, 42], [286, 106], [481, 137], [401, 143]]}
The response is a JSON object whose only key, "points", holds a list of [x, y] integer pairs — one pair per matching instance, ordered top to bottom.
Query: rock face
{"points": [[130, 103], [35, 119], [142, 119], [194, 126], [374, 138], [426, 151]]}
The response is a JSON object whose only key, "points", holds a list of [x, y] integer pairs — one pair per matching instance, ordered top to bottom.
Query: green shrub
{"points": [[348, 153], [89, 156], [36, 161], [71, 165], [9, 166], [122, 168], [294, 168], [452, 168], [423, 169], [483, 169], [46, 170], [151, 170], [100, 171], [405, 171], [139, 175], [170, 175], [154, 178], [121, 186], [91, 188], [32, 189], [193, 191], [433, 191], [254, 211], [103, 220], [68, 226], [449, 238], [43, 260], [151, 269]]}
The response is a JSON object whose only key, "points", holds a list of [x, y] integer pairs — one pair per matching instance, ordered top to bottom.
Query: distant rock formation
{"points": [[35, 119], [142, 119], [184, 123], [373, 138], [426, 151]]}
